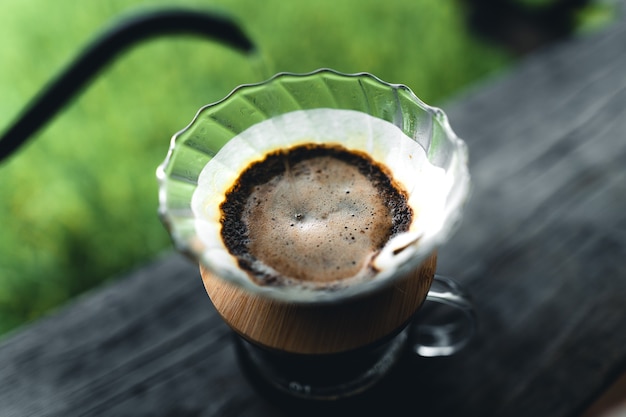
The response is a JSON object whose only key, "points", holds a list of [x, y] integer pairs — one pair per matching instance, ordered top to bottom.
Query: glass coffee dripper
{"points": [[280, 309]]}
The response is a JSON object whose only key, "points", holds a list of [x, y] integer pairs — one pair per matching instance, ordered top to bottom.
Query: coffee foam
{"points": [[426, 184], [312, 213]]}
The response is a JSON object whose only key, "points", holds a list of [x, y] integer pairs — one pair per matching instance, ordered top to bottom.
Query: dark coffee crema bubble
{"points": [[313, 214]]}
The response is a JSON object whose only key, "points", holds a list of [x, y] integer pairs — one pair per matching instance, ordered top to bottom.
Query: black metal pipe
{"points": [[103, 49]]}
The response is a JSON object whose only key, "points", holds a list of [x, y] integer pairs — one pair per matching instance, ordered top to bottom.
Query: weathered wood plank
{"points": [[541, 250], [151, 344]]}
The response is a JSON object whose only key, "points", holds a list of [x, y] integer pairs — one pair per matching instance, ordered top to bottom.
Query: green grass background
{"points": [[78, 203]]}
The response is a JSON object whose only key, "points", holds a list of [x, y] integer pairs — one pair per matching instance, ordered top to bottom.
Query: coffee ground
{"points": [[314, 213]]}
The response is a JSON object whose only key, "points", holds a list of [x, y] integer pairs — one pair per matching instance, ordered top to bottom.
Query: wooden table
{"points": [[542, 250]]}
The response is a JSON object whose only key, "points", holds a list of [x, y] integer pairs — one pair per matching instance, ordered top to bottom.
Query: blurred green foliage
{"points": [[596, 15], [78, 204]]}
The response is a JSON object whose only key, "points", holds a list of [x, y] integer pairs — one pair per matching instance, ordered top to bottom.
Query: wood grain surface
{"points": [[541, 250], [321, 329]]}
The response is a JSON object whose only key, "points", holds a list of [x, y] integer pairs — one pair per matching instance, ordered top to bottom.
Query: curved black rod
{"points": [[103, 49]]}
